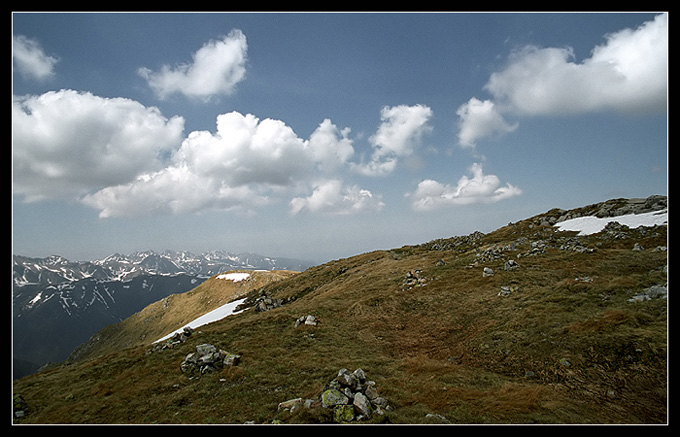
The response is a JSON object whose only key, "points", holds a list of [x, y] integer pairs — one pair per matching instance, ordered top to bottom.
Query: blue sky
{"points": [[324, 135]]}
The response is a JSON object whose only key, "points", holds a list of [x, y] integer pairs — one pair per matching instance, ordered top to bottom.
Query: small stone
{"points": [[232, 359], [379, 402], [290, 404]]}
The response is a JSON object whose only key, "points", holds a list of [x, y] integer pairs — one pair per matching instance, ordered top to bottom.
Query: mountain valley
{"points": [[57, 304]]}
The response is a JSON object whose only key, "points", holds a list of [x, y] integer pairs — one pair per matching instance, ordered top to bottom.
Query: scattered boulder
{"points": [[511, 264], [487, 272], [507, 290], [653, 292], [308, 320], [176, 339], [208, 358], [333, 397]]}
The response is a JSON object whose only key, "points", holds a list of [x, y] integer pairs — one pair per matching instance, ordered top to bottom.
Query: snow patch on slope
{"points": [[592, 225], [236, 277], [212, 316]]}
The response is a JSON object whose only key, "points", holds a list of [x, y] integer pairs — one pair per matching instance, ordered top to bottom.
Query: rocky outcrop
{"points": [[617, 207]]}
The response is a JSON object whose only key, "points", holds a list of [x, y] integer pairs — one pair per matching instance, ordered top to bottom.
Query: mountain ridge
{"points": [[57, 304]]}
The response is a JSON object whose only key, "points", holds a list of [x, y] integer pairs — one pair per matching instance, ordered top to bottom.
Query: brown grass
{"points": [[453, 347]]}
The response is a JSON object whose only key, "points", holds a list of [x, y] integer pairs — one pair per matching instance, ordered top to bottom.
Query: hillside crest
{"points": [[526, 324]]}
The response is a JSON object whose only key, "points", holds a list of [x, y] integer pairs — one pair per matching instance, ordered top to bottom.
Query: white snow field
{"points": [[592, 225]]}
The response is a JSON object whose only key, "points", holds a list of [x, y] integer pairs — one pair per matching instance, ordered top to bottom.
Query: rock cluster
{"points": [[618, 207], [461, 243], [414, 278], [506, 290], [653, 292], [266, 303], [308, 320], [177, 338], [208, 358], [352, 397], [20, 406]]}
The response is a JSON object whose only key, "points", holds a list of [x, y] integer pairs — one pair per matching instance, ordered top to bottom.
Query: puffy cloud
{"points": [[30, 59], [215, 70], [626, 73], [480, 119], [399, 132], [66, 142], [329, 146], [246, 150], [126, 160], [245, 164], [480, 188], [172, 190], [330, 197]]}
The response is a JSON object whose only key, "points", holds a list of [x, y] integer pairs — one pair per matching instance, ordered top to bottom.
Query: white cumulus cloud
{"points": [[29, 58], [215, 70], [628, 72], [480, 119], [397, 136], [66, 142], [330, 147], [246, 150], [245, 164], [481, 188], [172, 190], [331, 197]]}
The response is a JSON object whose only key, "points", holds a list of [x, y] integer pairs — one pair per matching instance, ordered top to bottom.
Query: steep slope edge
{"points": [[173, 312]]}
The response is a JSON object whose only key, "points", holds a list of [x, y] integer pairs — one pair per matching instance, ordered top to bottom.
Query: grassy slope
{"points": [[173, 312], [453, 347]]}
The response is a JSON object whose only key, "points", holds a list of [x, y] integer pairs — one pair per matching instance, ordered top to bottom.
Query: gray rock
{"points": [[511, 264], [346, 379], [333, 397], [362, 405]]}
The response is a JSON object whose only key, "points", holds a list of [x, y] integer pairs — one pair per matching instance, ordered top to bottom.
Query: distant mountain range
{"points": [[58, 304]]}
